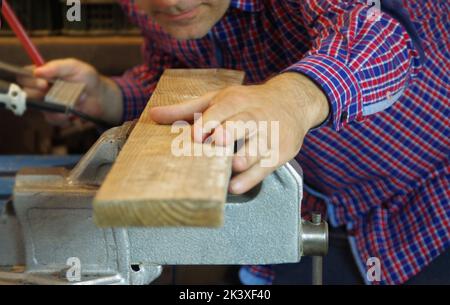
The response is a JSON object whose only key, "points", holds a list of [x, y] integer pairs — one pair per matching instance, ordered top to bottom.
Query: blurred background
{"points": [[104, 38]]}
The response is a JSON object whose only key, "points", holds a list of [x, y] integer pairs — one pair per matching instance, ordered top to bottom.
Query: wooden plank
{"points": [[150, 186]]}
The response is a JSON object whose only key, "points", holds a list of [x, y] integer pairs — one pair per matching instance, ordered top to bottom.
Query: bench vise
{"points": [[48, 228]]}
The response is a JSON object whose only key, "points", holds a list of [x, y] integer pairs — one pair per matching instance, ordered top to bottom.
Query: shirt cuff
{"points": [[339, 85], [134, 98]]}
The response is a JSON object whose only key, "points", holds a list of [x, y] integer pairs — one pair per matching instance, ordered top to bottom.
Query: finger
{"points": [[60, 68], [31, 82], [34, 93], [181, 112], [212, 117], [237, 127], [249, 154], [247, 180]]}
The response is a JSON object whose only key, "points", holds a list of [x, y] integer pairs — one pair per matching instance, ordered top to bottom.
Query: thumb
{"points": [[61, 68]]}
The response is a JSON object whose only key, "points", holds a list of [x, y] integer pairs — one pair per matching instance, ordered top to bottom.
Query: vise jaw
{"points": [[52, 233]]}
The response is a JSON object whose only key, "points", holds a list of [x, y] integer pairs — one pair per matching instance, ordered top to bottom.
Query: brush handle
{"points": [[18, 29], [16, 70]]}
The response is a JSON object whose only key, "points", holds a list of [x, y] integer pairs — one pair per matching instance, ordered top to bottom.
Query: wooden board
{"points": [[148, 185]]}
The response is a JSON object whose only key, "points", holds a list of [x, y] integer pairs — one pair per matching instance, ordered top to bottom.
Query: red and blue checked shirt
{"points": [[380, 164]]}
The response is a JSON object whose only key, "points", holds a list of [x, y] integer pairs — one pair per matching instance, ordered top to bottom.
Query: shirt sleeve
{"points": [[361, 58], [138, 83]]}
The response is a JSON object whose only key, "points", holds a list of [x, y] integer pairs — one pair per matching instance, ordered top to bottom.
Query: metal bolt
{"points": [[316, 218], [317, 262]]}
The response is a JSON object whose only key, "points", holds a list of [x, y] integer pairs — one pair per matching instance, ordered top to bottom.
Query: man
{"points": [[364, 95]]}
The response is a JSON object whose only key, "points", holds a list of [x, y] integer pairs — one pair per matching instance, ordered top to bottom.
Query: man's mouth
{"points": [[183, 16]]}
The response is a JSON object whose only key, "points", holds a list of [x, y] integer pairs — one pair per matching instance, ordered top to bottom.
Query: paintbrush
{"points": [[62, 92], [14, 98]]}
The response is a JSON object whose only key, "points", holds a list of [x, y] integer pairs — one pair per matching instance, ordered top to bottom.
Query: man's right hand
{"points": [[101, 98]]}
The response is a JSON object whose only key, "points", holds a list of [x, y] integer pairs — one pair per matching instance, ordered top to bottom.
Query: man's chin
{"points": [[187, 32]]}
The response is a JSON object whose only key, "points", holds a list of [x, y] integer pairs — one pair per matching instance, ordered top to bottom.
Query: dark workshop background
{"points": [[103, 38]]}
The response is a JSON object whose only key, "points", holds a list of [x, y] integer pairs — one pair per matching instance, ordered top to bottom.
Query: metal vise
{"points": [[48, 227]]}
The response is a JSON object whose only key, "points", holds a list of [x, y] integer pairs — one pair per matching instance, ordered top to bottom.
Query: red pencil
{"points": [[18, 29]]}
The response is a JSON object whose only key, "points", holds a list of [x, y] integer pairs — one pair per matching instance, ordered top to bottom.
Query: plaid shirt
{"points": [[380, 164]]}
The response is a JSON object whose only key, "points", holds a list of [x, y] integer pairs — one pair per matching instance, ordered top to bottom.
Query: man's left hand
{"points": [[291, 99]]}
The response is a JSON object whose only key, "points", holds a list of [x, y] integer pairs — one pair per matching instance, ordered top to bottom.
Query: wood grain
{"points": [[148, 185]]}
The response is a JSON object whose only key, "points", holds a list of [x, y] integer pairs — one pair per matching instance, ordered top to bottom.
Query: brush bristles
{"points": [[65, 93]]}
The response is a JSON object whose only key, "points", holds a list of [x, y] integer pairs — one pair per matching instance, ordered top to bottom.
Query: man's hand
{"points": [[102, 97], [290, 99]]}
